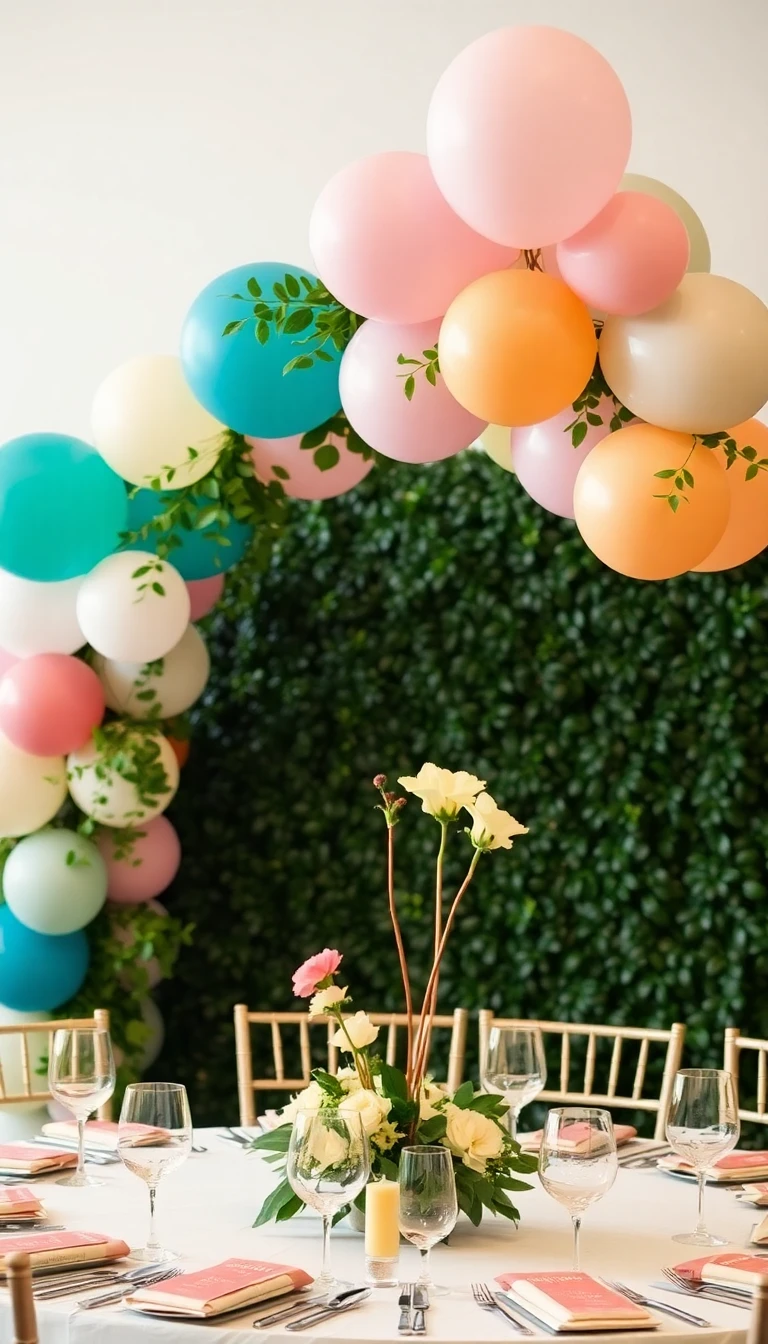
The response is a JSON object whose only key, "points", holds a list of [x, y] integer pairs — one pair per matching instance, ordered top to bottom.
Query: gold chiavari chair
{"points": [[24, 1030], [321, 1030], [733, 1046], [589, 1094], [22, 1301], [757, 1332]]}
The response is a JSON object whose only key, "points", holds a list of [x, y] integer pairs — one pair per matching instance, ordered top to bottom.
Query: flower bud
{"points": [[379, 781]]}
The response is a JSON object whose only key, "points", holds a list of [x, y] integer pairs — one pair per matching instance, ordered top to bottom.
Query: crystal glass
{"points": [[515, 1068], [81, 1075], [161, 1107], [703, 1125], [577, 1160], [328, 1165], [428, 1204]]}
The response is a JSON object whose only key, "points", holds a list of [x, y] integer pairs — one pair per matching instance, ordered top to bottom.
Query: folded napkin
{"points": [[103, 1133], [578, 1137], [27, 1160], [728, 1168], [754, 1193], [18, 1201], [760, 1232], [58, 1249], [730, 1267], [223, 1287], [571, 1302]]}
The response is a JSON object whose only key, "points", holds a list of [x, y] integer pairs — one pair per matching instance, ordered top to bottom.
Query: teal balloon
{"points": [[241, 381], [61, 507], [198, 556], [55, 882], [39, 973]]}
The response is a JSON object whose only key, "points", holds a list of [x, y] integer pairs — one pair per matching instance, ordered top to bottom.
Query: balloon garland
{"points": [[512, 287]]}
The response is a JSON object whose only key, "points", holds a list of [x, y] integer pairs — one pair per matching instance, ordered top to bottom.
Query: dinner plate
{"points": [[737, 1182]]}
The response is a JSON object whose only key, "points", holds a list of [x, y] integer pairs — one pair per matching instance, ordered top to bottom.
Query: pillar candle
{"points": [[382, 1220]]}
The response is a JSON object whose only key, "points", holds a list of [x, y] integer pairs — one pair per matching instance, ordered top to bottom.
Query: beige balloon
{"points": [[700, 258], [697, 363], [145, 420], [496, 442], [177, 679], [32, 789], [109, 797]]}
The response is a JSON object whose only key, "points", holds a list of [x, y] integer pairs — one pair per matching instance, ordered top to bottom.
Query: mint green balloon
{"points": [[55, 882]]}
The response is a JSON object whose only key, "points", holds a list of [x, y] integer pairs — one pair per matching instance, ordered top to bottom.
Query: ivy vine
{"points": [[298, 302], [681, 479]]}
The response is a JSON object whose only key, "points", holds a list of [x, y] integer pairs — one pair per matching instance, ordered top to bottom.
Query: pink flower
{"points": [[314, 971]]}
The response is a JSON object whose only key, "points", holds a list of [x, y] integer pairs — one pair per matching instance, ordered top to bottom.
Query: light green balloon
{"points": [[55, 881]]}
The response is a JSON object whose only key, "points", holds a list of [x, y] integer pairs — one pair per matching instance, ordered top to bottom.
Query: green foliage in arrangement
{"points": [[437, 613]]}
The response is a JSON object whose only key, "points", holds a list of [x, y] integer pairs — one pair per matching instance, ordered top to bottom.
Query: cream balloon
{"points": [[700, 258], [697, 363], [145, 420], [496, 442], [133, 607], [39, 617], [168, 686], [32, 789], [107, 795], [10, 1061]]}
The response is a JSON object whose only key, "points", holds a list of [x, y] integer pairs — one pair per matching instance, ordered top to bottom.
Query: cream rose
{"points": [[442, 792], [492, 828], [325, 999], [358, 1029], [349, 1079], [431, 1095], [311, 1099], [371, 1108], [472, 1137], [327, 1146]]}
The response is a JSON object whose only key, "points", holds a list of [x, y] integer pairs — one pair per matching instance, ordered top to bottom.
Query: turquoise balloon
{"points": [[239, 380], [61, 507], [198, 557], [55, 882], [39, 973]]}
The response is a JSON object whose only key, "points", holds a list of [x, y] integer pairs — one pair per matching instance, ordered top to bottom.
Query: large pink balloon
{"points": [[528, 135], [387, 244], [629, 258], [429, 427], [546, 462], [306, 480], [203, 595], [6, 660], [50, 704], [148, 869], [125, 934]]}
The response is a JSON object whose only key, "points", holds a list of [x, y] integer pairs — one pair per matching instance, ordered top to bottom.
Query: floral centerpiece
{"points": [[396, 1107]]}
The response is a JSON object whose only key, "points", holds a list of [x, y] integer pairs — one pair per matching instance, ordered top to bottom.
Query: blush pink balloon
{"points": [[528, 135], [387, 244], [629, 258], [429, 427], [546, 462], [305, 479], [203, 595], [6, 660], [50, 704], [149, 868], [126, 936]]}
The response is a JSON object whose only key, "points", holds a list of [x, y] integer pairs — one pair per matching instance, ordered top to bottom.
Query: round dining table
{"points": [[206, 1208]]}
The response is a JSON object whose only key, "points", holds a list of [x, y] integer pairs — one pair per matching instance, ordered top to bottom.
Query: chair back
{"points": [[26, 1029], [733, 1046], [590, 1094], [22, 1303]]}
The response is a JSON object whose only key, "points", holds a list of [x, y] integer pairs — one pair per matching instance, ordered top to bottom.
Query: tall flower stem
{"points": [[400, 947], [424, 1033]]}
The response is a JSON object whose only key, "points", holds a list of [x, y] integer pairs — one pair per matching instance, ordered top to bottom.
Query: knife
{"points": [[405, 1302], [305, 1303], [420, 1304], [306, 1321]]}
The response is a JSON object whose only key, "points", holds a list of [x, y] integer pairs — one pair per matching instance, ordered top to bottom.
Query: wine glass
{"points": [[515, 1067], [81, 1075], [703, 1125], [154, 1137], [577, 1161], [328, 1165], [428, 1204]]}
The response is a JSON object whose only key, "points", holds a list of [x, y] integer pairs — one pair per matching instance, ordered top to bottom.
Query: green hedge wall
{"points": [[437, 613]]}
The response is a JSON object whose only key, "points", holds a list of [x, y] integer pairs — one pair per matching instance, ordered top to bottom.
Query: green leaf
{"points": [[292, 285], [254, 288], [280, 292], [298, 320], [232, 327], [261, 331], [322, 354], [402, 359], [300, 362], [431, 375], [409, 387], [625, 414], [594, 419], [579, 433], [314, 437], [749, 454], [326, 457], [751, 472], [280, 473], [666, 474], [687, 477], [679, 483], [674, 502], [139, 573], [158, 588], [393, 1082], [328, 1083], [464, 1097], [487, 1104], [432, 1130], [274, 1141], [280, 1196], [289, 1209]]}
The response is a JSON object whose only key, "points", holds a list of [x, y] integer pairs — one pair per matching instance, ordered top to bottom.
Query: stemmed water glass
{"points": [[514, 1067], [81, 1076], [703, 1125], [153, 1138], [577, 1160], [328, 1165], [428, 1204]]}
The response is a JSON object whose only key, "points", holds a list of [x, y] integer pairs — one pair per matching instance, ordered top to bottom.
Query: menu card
{"points": [[103, 1133], [578, 1137], [30, 1160], [728, 1168], [19, 1201], [59, 1249], [730, 1267], [224, 1287], [574, 1302]]}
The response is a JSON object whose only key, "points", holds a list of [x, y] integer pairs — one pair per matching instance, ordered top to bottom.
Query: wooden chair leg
{"points": [[244, 1065], [671, 1066], [22, 1302], [758, 1318]]}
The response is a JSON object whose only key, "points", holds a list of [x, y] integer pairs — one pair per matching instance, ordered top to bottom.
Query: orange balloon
{"points": [[516, 347], [620, 517], [746, 533], [180, 748]]}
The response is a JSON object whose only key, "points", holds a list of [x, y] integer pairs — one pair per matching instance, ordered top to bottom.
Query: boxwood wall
{"points": [[437, 613]]}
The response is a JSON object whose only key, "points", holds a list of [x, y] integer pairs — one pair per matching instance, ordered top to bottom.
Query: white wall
{"points": [[147, 145]]}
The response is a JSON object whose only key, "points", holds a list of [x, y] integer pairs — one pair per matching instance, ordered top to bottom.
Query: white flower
{"points": [[443, 793], [492, 828], [325, 999], [358, 1029], [349, 1079], [431, 1095], [311, 1099], [371, 1108], [472, 1137], [326, 1145]]}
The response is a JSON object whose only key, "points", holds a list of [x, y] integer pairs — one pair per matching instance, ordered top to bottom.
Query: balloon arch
{"points": [[512, 287]]}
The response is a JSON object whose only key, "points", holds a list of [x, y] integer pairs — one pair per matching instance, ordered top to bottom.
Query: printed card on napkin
{"points": [[102, 1133], [19, 1201], [46, 1249], [734, 1268], [224, 1287], [574, 1302]]}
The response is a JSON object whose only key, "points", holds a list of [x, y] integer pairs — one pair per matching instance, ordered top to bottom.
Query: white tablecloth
{"points": [[206, 1208]]}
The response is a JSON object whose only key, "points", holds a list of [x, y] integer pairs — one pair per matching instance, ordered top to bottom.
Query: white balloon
{"points": [[145, 419], [133, 607], [39, 617], [177, 680], [32, 789], [109, 797], [13, 1078]]}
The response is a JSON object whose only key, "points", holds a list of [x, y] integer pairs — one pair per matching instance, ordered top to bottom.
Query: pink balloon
{"points": [[528, 135], [387, 244], [629, 258], [429, 427], [546, 462], [305, 479], [203, 595], [6, 660], [50, 704], [150, 867], [126, 936]]}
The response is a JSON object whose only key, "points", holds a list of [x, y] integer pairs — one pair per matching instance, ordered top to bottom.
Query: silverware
{"points": [[98, 1156], [13, 1229], [63, 1283], [117, 1294], [733, 1297], [488, 1301], [642, 1301], [405, 1302], [302, 1303], [420, 1305], [325, 1313]]}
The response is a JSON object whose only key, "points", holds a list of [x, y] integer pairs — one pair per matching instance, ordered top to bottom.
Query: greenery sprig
{"points": [[298, 302], [429, 364], [586, 405], [326, 455], [681, 479], [131, 749]]}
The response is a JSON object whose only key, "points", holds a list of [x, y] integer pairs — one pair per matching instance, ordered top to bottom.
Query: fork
{"points": [[66, 1282], [117, 1294], [732, 1297], [486, 1300], [641, 1301]]}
